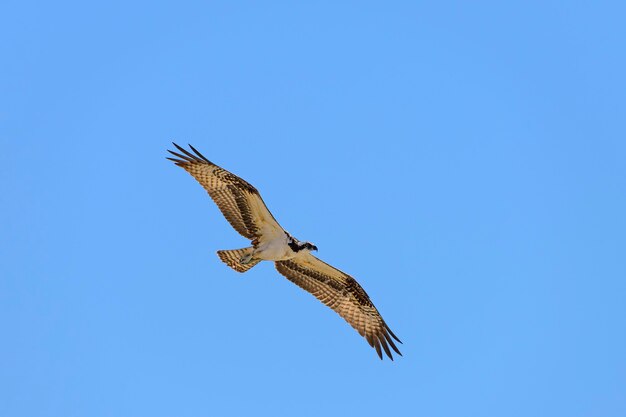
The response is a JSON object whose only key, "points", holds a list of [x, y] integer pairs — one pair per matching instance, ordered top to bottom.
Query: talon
{"points": [[246, 259]]}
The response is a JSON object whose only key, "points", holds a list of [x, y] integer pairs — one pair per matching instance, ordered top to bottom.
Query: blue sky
{"points": [[465, 161]]}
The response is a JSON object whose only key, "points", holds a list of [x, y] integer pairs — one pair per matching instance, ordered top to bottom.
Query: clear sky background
{"points": [[465, 161]]}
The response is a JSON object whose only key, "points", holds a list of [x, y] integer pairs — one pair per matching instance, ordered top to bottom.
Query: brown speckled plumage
{"points": [[229, 192], [243, 207], [344, 295]]}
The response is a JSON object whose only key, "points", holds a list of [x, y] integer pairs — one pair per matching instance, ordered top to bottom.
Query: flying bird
{"points": [[245, 210]]}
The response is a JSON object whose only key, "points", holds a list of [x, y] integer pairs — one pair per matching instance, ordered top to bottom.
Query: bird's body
{"points": [[245, 210], [275, 250]]}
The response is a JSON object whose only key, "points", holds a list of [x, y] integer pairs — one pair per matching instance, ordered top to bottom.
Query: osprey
{"points": [[245, 210]]}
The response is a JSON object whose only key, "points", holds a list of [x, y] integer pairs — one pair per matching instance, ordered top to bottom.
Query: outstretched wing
{"points": [[238, 201], [343, 294]]}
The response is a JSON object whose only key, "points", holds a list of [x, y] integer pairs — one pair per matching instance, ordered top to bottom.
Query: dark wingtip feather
{"points": [[180, 148], [198, 153], [191, 156], [183, 157], [177, 162], [392, 335], [383, 342], [393, 345], [395, 348], [380, 353]]}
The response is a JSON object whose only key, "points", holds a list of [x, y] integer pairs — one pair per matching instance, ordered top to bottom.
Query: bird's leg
{"points": [[246, 259]]}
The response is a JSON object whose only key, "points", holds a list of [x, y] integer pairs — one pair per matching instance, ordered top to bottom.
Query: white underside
{"points": [[274, 250]]}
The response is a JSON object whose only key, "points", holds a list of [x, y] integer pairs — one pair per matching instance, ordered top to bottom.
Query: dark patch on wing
{"points": [[293, 245], [358, 292]]}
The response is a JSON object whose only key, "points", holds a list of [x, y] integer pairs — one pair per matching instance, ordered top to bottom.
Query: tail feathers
{"points": [[233, 258]]}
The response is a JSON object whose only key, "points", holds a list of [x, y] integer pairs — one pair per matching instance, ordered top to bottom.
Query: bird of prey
{"points": [[245, 210]]}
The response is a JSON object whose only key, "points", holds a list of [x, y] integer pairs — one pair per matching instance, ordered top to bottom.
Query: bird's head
{"points": [[309, 246]]}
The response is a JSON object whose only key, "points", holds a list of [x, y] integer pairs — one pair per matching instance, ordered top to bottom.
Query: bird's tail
{"points": [[239, 259]]}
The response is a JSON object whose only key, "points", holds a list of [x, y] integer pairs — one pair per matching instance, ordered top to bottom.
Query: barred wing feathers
{"points": [[240, 203], [344, 295]]}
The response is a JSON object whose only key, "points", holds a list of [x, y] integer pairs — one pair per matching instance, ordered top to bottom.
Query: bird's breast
{"points": [[274, 250]]}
